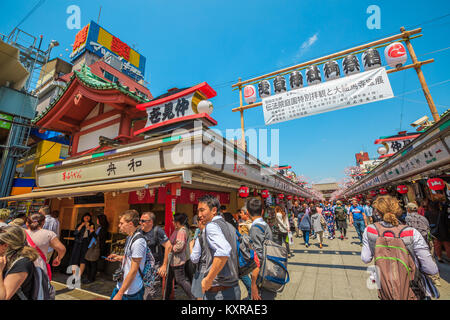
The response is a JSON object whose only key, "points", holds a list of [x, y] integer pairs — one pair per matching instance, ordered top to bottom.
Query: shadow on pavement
{"points": [[348, 253], [328, 266]]}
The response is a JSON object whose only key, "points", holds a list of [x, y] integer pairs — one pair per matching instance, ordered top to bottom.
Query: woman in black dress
{"points": [[81, 233]]}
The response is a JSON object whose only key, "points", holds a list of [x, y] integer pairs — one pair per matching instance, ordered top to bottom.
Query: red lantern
{"points": [[436, 184], [402, 189], [383, 191], [244, 192], [373, 193], [265, 194], [281, 196], [289, 197], [295, 198]]}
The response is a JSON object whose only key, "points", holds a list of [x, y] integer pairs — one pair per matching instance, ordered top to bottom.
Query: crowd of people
{"points": [[204, 263]]}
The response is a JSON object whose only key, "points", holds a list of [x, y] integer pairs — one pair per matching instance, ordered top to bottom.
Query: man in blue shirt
{"points": [[358, 218]]}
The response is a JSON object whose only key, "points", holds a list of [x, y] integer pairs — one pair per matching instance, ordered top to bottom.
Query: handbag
{"points": [[93, 253]]}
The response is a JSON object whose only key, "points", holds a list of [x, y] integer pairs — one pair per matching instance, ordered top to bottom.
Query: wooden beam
{"points": [[331, 56], [410, 66], [70, 122]]}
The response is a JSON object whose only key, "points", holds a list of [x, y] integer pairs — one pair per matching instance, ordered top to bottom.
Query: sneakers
{"points": [[342, 237], [306, 245], [320, 246], [436, 280]]}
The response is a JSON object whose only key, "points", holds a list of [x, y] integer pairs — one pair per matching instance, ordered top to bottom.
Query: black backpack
{"points": [[42, 288]]}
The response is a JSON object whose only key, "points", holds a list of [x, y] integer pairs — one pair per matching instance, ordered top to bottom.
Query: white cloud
{"points": [[306, 45], [327, 180]]}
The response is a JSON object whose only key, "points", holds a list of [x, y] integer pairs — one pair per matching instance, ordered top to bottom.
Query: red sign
{"points": [[80, 38], [121, 48], [436, 184], [402, 189], [383, 191], [243, 192], [265, 194], [142, 196]]}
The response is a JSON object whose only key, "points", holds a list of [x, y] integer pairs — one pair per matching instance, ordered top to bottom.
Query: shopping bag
{"points": [[290, 239]]}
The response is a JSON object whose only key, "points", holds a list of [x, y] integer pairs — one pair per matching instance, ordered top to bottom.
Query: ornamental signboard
{"points": [[100, 42], [353, 90], [5, 124]]}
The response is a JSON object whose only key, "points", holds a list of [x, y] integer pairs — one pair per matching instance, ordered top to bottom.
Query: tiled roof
{"points": [[95, 82]]}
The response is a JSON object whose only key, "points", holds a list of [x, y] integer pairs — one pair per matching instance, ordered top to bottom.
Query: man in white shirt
{"points": [[220, 250], [130, 286]]}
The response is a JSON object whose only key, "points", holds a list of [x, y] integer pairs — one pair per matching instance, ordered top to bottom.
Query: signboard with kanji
{"points": [[97, 40], [353, 90], [177, 108]]}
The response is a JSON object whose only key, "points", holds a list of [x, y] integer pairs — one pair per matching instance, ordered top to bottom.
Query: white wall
{"points": [[90, 140]]}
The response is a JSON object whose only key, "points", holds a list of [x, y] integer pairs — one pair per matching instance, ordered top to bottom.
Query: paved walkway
{"points": [[335, 272]]}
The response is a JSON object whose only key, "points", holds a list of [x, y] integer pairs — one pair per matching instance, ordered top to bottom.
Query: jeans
{"points": [[359, 226], [306, 236], [248, 284], [233, 293], [137, 296]]}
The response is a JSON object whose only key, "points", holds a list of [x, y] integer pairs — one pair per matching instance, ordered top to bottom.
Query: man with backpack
{"points": [[341, 219], [261, 237], [160, 246], [402, 258], [129, 277], [221, 281]]}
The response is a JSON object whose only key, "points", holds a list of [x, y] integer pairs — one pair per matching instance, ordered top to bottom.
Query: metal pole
{"points": [[422, 81]]}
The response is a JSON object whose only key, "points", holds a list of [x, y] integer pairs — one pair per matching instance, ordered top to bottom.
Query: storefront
{"points": [[407, 173], [164, 174]]}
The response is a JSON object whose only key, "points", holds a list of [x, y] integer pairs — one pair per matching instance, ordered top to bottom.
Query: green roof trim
{"points": [[93, 81]]}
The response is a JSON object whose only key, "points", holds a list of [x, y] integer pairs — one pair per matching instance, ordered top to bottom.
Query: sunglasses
{"points": [[143, 221]]}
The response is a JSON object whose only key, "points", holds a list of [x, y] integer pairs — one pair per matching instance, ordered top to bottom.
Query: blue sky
{"points": [[188, 42]]}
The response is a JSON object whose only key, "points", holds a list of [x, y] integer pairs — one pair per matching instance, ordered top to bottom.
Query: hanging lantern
{"points": [[395, 54], [371, 59], [350, 65], [331, 70], [313, 75], [296, 80], [279, 84], [264, 89], [250, 94], [205, 106], [436, 184], [402, 189], [383, 191], [244, 192], [372, 193], [265, 194], [281, 196], [289, 197], [295, 198]]}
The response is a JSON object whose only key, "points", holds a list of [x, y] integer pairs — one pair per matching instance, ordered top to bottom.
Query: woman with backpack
{"points": [[282, 222], [304, 224], [318, 224], [41, 239], [179, 240], [388, 243], [16, 264]]}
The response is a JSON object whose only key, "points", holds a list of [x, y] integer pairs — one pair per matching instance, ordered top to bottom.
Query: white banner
{"points": [[337, 94]]}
